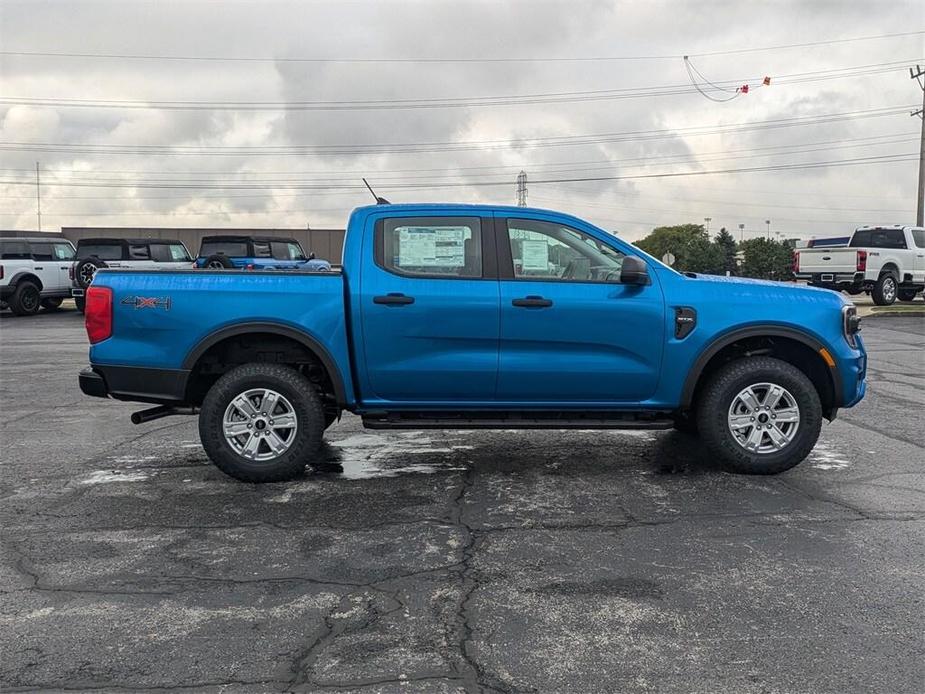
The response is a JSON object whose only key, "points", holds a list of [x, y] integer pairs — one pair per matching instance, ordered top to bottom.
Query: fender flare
{"points": [[26, 275], [309, 342], [711, 350]]}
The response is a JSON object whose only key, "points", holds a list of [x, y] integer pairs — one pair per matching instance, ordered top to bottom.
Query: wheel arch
{"points": [[890, 267], [26, 275], [266, 327], [829, 386]]}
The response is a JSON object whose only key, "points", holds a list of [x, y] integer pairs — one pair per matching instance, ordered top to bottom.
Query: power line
{"points": [[530, 59], [447, 102], [442, 147]]}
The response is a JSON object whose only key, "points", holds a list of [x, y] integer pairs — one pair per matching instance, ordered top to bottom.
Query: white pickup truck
{"points": [[887, 262]]}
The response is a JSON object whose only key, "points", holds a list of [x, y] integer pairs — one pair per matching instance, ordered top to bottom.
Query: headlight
{"points": [[851, 324]]}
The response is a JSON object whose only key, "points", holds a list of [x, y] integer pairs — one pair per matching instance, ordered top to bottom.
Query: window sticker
{"points": [[535, 255]]}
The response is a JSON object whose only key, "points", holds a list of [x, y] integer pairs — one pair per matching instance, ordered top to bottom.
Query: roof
{"points": [[246, 237], [35, 239], [108, 240]]}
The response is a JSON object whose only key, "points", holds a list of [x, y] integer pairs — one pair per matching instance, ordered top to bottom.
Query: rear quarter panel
{"points": [[192, 305]]}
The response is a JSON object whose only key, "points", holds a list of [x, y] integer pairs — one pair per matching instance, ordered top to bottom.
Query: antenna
{"points": [[379, 201]]}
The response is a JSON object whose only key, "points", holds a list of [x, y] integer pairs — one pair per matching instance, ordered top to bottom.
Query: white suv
{"points": [[130, 254], [34, 273]]}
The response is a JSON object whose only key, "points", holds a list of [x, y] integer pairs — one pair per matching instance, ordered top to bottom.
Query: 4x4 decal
{"points": [[147, 302]]}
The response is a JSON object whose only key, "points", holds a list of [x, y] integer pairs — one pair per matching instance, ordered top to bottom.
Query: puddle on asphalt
{"points": [[367, 456], [824, 458]]}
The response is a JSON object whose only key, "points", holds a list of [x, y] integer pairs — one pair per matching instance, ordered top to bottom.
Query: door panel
{"points": [[431, 332], [570, 332]]}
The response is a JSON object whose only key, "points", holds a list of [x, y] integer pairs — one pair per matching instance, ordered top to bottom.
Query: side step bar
{"points": [[518, 420]]}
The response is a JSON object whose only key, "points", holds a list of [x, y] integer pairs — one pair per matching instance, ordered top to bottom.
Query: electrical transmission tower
{"points": [[918, 75], [522, 189]]}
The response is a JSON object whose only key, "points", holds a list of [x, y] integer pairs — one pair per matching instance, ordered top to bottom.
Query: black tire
{"points": [[217, 261], [85, 269], [884, 291], [906, 294], [26, 299], [80, 302], [52, 304], [719, 395], [306, 407], [330, 418], [686, 423]]}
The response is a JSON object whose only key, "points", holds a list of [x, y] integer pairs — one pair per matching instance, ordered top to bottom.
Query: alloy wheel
{"points": [[764, 418], [260, 424]]}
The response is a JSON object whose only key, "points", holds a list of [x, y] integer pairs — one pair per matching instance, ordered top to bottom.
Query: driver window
{"points": [[547, 251]]}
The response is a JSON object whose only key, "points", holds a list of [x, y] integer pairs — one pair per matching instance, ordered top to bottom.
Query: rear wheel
{"points": [[218, 262], [884, 291], [906, 294], [26, 300], [52, 304], [759, 415], [262, 423]]}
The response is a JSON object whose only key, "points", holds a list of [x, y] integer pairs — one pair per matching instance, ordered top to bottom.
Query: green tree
{"points": [[688, 243], [727, 246], [766, 259]]}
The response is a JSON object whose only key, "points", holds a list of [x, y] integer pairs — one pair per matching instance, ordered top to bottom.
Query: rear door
{"points": [[918, 241], [170, 256], [46, 265], [429, 309], [570, 331]]}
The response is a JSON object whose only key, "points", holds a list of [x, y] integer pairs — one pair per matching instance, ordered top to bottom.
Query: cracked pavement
{"points": [[455, 561]]}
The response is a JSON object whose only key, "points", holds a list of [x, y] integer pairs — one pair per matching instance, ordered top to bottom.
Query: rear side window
{"points": [[918, 237], [878, 238], [431, 246], [233, 249], [262, 249], [15, 250], [287, 250], [41, 251], [63, 251], [103, 251], [138, 252], [168, 253]]}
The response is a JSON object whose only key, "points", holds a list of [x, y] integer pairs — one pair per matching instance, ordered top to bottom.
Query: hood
{"points": [[747, 288]]}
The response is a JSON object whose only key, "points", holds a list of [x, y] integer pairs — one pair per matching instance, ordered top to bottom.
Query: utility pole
{"points": [[918, 74], [522, 189], [38, 195], [768, 222], [741, 233]]}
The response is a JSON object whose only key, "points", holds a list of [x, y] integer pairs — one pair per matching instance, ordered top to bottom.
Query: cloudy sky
{"points": [[260, 114]]}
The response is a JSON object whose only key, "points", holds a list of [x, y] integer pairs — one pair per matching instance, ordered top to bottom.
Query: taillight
{"points": [[796, 261], [862, 261], [249, 266], [1, 272], [98, 313]]}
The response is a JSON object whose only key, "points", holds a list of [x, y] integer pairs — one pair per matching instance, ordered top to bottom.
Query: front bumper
{"points": [[160, 386]]}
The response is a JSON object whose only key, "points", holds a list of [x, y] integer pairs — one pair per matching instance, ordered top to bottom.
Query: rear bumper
{"points": [[831, 278], [6, 291], [134, 383]]}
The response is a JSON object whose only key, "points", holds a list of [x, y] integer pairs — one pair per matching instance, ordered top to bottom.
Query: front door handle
{"points": [[394, 299], [532, 302]]}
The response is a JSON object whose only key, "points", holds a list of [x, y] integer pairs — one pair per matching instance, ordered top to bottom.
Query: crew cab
{"points": [[119, 253], [256, 253], [887, 262], [34, 273], [475, 317]]}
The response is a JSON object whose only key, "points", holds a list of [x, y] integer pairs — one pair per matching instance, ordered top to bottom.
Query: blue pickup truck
{"points": [[475, 317]]}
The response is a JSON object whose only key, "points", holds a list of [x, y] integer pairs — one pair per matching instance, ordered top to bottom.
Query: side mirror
{"points": [[311, 256], [634, 271]]}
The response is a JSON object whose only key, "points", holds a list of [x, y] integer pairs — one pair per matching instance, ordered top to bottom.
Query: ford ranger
{"points": [[474, 317]]}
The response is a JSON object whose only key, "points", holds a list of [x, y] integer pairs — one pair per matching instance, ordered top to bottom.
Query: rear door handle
{"points": [[39, 267], [394, 299], [532, 302]]}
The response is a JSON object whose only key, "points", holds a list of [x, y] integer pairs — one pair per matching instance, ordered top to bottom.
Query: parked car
{"points": [[255, 253], [132, 254], [885, 262], [34, 273], [475, 317]]}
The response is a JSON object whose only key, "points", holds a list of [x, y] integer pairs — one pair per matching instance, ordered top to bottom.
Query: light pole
{"points": [[708, 220], [768, 222], [741, 232]]}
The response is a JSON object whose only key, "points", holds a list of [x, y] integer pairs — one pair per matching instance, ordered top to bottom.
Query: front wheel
{"points": [[26, 300], [759, 415], [261, 423]]}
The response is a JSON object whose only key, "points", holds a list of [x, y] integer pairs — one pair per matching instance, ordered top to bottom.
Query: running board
{"points": [[518, 420]]}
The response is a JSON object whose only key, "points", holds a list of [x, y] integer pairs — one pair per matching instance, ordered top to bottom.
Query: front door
{"points": [[46, 266], [429, 310], [570, 331]]}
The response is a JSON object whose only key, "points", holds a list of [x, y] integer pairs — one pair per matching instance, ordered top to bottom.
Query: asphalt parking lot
{"points": [[437, 562]]}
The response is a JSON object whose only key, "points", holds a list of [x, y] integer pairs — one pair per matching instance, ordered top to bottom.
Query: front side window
{"points": [[918, 237], [432, 246], [261, 249], [287, 250], [63, 251], [549, 251], [138, 252], [168, 253]]}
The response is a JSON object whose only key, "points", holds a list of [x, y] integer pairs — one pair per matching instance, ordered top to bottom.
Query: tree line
{"points": [[695, 251]]}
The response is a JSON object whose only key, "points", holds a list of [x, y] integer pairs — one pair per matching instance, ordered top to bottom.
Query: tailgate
{"points": [[828, 260]]}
